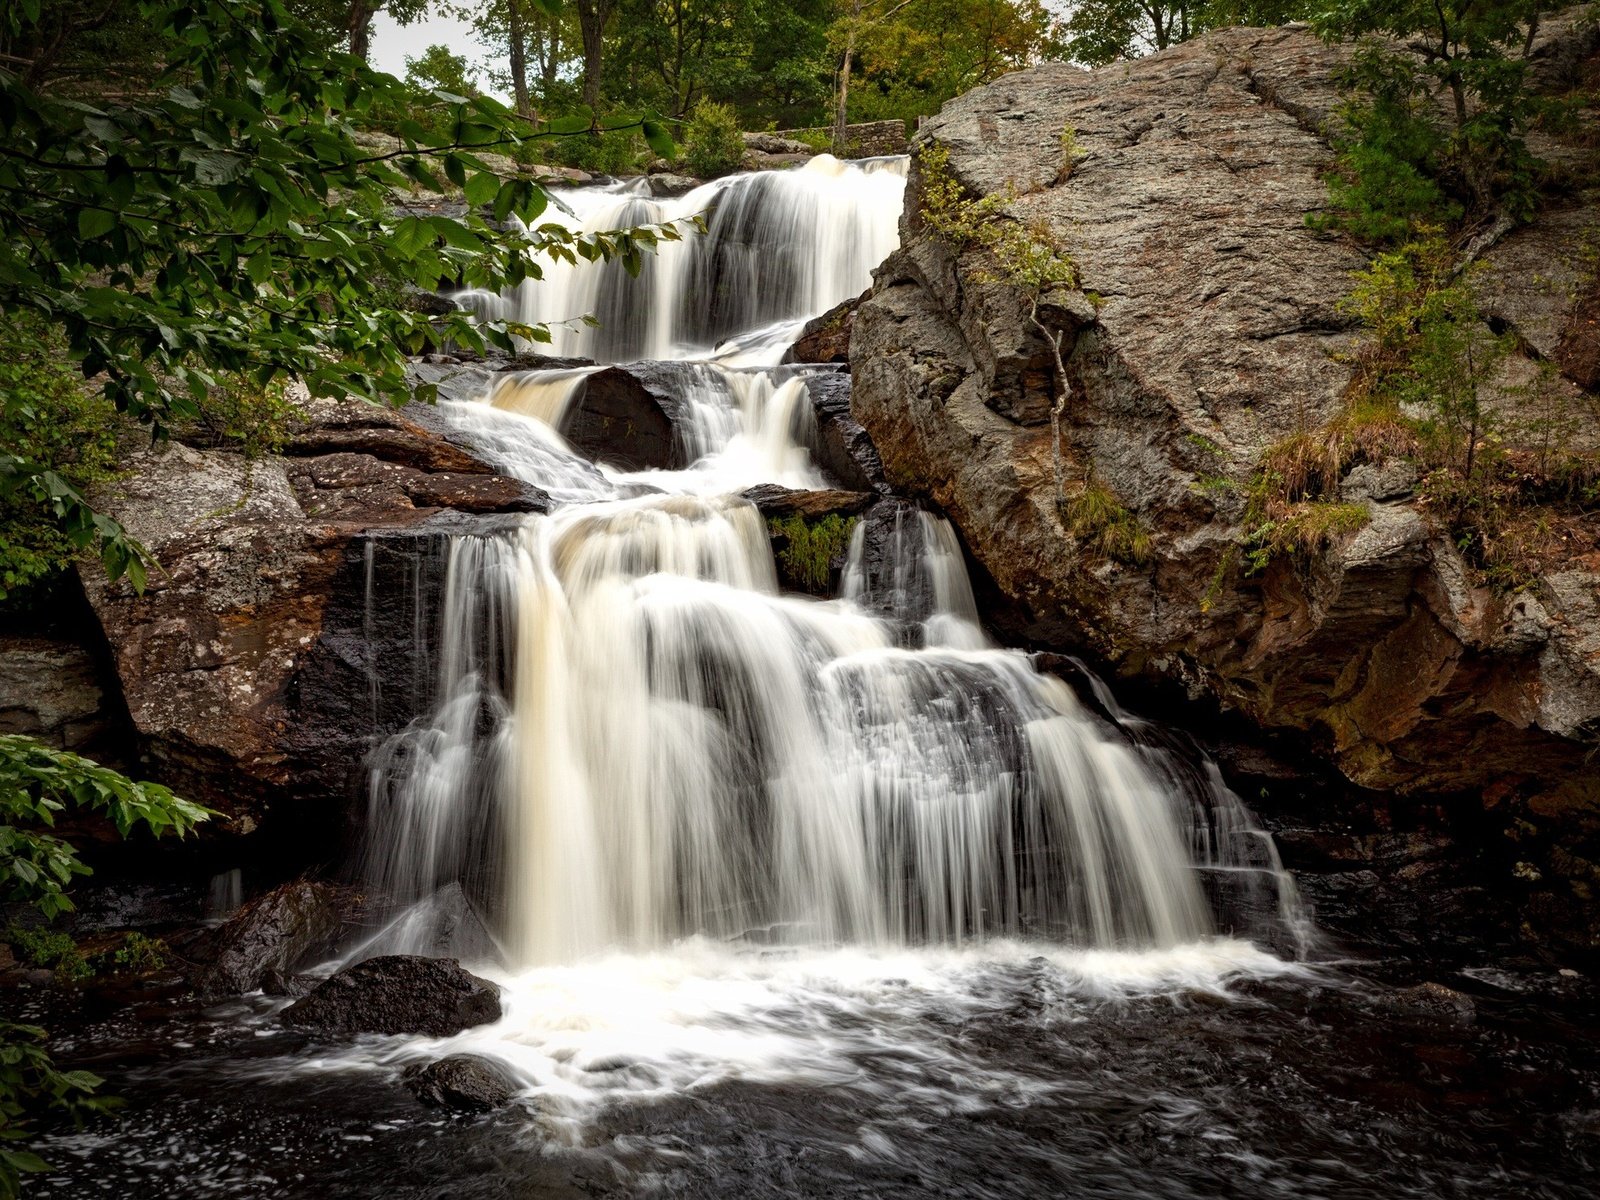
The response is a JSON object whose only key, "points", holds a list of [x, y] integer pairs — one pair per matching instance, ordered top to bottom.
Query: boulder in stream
{"points": [[269, 936], [398, 994], [463, 1082]]}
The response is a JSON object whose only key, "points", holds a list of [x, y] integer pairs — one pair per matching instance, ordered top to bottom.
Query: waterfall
{"points": [[779, 247], [636, 739]]}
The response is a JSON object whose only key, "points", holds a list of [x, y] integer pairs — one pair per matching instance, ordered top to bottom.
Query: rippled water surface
{"points": [[1207, 1070]]}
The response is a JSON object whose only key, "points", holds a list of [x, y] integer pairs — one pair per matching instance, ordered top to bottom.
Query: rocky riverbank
{"points": [[1206, 329]]}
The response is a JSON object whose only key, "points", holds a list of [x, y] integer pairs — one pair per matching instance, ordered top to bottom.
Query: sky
{"points": [[392, 44]]}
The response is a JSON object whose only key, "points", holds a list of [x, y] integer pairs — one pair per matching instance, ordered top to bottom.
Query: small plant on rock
{"points": [[1023, 255]]}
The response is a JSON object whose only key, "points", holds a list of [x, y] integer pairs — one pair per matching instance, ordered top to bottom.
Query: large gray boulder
{"points": [[1207, 328], [398, 994]]}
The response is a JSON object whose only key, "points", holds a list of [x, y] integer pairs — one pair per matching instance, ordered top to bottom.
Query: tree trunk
{"points": [[592, 18], [360, 27], [517, 33], [840, 118]]}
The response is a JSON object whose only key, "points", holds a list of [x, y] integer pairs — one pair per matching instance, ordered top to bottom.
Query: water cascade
{"points": [[779, 247], [639, 748]]}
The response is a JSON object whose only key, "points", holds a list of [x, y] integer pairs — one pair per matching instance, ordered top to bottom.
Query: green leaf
{"points": [[659, 139], [481, 188], [95, 222]]}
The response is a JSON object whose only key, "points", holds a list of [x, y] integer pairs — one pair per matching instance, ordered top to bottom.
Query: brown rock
{"points": [[1208, 328], [826, 339], [775, 501], [266, 650]]}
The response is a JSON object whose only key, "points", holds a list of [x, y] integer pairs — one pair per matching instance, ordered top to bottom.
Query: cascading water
{"points": [[779, 247], [649, 769]]}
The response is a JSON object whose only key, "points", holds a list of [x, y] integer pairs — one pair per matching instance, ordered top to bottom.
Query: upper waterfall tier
{"points": [[779, 247]]}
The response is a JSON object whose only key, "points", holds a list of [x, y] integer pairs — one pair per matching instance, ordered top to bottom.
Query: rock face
{"points": [[1208, 329], [826, 339], [629, 417], [843, 450], [276, 637], [51, 689], [270, 936], [398, 994], [463, 1082]]}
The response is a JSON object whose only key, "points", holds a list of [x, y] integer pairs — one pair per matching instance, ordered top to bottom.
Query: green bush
{"points": [[712, 142], [610, 152], [243, 415], [49, 418], [810, 547], [50, 948], [139, 954]]}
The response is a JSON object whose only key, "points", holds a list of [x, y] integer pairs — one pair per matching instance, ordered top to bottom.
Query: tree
{"points": [[593, 17], [358, 22], [1102, 31], [523, 34], [684, 49], [1472, 52], [916, 54], [768, 62], [437, 69], [228, 221], [36, 867]]}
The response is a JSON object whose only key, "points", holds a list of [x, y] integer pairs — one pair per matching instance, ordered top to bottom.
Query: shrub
{"points": [[712, 142], [609, 152], [244, 415], [50, 419], [1098, 519], [811, 547], [50, 948], [139, 954]]}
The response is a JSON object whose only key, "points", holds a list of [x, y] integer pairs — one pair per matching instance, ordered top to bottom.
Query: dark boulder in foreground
{"points": [[270, 936], [398, 994], [463, 1082]]}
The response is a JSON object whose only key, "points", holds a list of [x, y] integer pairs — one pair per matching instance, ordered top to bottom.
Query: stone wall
{"points": [[866, 139]]}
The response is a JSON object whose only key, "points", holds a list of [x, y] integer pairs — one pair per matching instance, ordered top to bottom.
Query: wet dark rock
{"points": [[430, 304], [826, 339], [628, 417], [844, 449], [775, 501], [893, 580], [444, 925], [287, 927], [276, 983], [398, 994], [1432, 1002], [462, 1082]]}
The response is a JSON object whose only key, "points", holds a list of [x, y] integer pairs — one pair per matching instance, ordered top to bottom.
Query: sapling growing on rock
{"points": [[1023, 255]]}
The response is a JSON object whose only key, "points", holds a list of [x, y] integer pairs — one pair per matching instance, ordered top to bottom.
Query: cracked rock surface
{"points": [[1208, 328]]}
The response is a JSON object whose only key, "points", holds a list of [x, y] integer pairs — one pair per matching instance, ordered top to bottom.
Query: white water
{"points": [[779, 247], [718, 832]]}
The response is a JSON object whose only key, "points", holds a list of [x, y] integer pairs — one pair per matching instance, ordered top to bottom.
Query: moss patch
{"points": [[806, 550]]}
